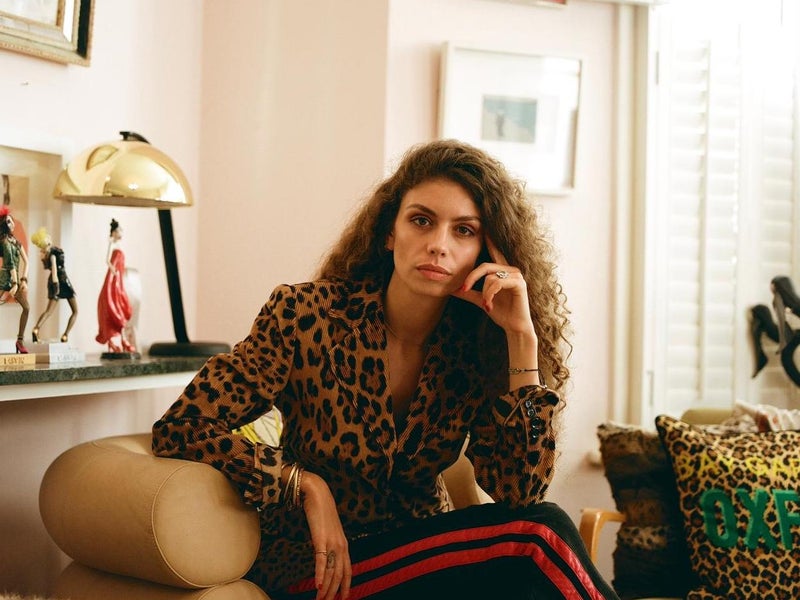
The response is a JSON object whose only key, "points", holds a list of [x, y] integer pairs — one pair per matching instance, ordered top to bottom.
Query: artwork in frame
{"points": [[56, 30], [521, 108], [26, 185]]}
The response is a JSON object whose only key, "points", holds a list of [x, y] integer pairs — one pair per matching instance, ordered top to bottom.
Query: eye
{"points": [[421, 220], [465, 230]]}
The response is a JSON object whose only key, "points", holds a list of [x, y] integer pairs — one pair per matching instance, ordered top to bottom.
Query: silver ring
{"points": [[502, 274]]}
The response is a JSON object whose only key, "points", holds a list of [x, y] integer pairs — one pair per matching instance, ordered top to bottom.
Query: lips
{"points": [[432, 271]]}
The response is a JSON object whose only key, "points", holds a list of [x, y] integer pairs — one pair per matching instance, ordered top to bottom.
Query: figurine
{"points": [[14, 273], [58, 283], [113, 307]]}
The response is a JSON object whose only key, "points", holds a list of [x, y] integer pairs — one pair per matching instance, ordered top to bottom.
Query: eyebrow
{"points": [[425, 209]]}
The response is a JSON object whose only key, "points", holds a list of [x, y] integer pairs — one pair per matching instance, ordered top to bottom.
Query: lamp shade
{"points": [[126, 172]]}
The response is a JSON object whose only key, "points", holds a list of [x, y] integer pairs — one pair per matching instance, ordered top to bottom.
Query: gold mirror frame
{"points": [[60, 31]]}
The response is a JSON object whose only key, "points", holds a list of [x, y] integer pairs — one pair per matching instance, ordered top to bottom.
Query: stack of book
{"points": [[39, 353]]}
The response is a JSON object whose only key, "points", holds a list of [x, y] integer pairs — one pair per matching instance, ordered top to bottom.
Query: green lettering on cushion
{"points": [[786, 518], [756, 528], [728, 536]]}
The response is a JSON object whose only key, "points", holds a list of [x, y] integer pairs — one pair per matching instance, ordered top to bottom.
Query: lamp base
{"points": [[188, 348]]}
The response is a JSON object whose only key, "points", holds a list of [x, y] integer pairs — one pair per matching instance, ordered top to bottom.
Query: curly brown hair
{"points": [[508, 219]]}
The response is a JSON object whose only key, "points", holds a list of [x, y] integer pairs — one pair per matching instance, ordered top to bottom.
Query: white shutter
{"points": [[723, 208]]}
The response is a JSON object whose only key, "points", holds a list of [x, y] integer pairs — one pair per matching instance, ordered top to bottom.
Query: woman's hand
{"points": [[504, 296], [332, 571]]}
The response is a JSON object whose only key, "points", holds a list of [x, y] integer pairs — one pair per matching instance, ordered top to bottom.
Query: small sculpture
{"points": [[14, 273], [58, 283], [113, 307]]}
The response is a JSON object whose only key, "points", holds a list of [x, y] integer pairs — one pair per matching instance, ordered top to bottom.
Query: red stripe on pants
{"points": [[469, 556]]}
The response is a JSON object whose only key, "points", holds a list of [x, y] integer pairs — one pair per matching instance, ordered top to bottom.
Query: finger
{"points": [[494, 252], [483, 270], [333, 566], [319, 571], [348, 576]]}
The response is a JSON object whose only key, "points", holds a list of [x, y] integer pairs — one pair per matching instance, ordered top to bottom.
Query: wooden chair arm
{"points": [[592, 521]]}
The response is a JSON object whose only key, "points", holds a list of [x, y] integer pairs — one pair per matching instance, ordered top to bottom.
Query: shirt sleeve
{"points": [[232, 390], [512, 446]]}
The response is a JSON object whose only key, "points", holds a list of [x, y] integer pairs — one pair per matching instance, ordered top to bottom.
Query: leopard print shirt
{"points": [[317, 352]]}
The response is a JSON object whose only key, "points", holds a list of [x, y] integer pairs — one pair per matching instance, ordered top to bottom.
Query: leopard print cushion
{"points": [[741, 509], [650, 555]]}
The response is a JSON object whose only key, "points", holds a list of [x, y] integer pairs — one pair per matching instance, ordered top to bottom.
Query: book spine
{"points": [[16, 360]]}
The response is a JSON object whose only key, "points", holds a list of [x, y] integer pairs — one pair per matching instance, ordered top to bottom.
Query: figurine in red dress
{"points": [[113, 307]]}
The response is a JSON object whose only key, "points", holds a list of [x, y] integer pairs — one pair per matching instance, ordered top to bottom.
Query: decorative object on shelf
{"points": [[57, 31], [521, 108], [131, 172], [14, 273], [58, 284], [785, 302], [113, 307]]}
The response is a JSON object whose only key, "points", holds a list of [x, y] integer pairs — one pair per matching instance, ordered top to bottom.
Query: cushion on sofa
{"points": [[110, 504], [741, 509], [650, 557]]}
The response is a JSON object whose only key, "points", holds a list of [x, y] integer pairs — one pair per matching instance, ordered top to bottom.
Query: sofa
{"points": [[708, 507], [141, 526]]}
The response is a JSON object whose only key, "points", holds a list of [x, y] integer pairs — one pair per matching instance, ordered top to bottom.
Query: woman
{"points": [[14, 273], [58, 283], [113, 307], [436, 319]]}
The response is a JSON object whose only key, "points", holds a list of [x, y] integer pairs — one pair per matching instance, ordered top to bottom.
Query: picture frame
{"points": [[55, 30], [520, 108], [28, 172]]}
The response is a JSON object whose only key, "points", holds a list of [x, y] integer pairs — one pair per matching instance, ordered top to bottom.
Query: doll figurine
{"points": [[14, 273], [58, 283], [113, 307]]}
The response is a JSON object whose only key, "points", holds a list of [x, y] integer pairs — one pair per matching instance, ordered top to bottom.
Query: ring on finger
{"points": [[502, 274], [325, 552], [331, 560]]}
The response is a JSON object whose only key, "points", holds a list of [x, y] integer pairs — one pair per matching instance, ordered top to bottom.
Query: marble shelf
{"points": [[96, 375]]}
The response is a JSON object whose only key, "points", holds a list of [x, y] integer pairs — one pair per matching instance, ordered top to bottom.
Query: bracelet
{"points": [[25, 279], [515, 371], [291, 493]]}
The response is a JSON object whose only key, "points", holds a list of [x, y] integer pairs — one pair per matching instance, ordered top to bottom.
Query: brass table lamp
{"points": [[131, 172]]}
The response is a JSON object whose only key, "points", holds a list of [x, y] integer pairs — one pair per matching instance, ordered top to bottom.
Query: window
{"points": [[721, 210]]}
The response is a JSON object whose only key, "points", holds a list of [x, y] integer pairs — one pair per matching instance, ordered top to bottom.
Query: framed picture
{"points": [[57, 30], [521, 108], [27, 177]]}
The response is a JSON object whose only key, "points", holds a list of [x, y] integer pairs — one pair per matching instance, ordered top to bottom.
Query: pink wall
{"points": [[144, 76], [293, 109], [283, 116], [580, 221]]}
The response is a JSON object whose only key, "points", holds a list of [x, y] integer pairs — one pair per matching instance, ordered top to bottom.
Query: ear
{"points": [[390, 241]]}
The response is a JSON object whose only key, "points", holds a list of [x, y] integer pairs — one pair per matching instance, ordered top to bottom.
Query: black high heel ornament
{"points": [[785, 297], [761, 323]]}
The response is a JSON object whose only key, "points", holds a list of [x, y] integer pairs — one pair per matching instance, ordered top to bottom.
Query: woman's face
{"points": [[9, 223], [117, 234], [436, 238]]}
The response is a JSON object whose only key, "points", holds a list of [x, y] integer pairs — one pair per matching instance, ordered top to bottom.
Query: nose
{"points": [[437, 245]]}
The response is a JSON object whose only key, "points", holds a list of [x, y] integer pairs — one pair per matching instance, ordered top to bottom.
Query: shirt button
{"points": [[528, 404], [531, 412]]}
